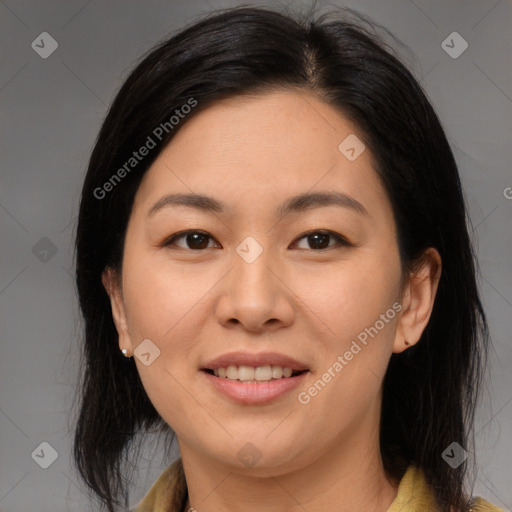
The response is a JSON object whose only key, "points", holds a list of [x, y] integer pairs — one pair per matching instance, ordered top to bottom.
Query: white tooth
{"points": [[277, 371], [232, 372], [245, 373], [249, 373], [263, 373]]}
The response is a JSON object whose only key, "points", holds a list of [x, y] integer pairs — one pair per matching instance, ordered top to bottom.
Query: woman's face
{"points": [[252, 282]]}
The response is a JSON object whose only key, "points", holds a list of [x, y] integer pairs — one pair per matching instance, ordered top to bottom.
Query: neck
{"points": [[349, 475]]}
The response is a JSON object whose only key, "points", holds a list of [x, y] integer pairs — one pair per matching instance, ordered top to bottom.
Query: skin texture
{"points": [[252, 153]]}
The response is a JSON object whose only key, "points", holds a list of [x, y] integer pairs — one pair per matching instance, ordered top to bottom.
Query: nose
{"points": [[255, 297]]}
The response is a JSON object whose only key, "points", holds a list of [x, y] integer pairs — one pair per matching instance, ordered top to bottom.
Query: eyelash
{"points": [[340, 240]]}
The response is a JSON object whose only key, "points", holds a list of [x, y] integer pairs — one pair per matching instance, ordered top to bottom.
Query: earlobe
{"points": [[113, 288], [418, 302]]}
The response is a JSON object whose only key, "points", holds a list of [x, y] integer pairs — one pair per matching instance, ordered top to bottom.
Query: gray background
{"points": [[51, 112]]}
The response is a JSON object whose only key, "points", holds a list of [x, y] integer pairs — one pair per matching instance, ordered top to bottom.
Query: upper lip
{"points": [[255, 360]]}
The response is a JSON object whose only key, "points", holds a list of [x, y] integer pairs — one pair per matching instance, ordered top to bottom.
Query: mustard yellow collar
{"points": [[169, 494]]}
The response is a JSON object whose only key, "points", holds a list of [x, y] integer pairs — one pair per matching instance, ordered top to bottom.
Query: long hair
{"points": [[430, 391]]}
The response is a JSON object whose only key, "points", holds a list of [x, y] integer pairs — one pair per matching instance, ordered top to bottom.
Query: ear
{"points": [[111, 283], [418, 300]]}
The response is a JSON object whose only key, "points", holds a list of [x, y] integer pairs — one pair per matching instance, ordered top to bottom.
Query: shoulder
{"points": [[168, 493], [416, 495], [481, 505]]}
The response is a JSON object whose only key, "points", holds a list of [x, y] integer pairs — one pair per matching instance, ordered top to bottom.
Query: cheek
{"points": [[160, 296], [350, 296], [161, 303], [357, 304], [347, 380]]}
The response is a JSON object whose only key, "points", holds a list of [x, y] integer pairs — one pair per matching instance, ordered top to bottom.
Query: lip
{"points": [[255, 360], [253, 393]]}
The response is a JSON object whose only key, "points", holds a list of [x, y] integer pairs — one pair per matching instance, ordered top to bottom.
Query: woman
{"points": [[272, 233]]}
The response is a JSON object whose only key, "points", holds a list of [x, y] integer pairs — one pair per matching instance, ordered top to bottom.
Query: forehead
{"points": [[293, 123], [263, 148]]}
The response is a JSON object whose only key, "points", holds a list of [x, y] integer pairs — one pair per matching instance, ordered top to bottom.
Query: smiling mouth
{"points": [[258, 374]]}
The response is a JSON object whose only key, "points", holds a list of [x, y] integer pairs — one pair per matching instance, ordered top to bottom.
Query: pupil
{"points": [[324, 237], [194, 238]]}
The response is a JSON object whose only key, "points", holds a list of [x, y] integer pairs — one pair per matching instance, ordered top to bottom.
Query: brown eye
{"points": [[194, 240], [320, 240]]}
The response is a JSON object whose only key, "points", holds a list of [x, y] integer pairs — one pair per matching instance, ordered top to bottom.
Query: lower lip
{"points": [[251, 393]]}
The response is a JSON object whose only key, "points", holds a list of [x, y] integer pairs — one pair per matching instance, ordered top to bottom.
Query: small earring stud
{"points": [[125, 352]]}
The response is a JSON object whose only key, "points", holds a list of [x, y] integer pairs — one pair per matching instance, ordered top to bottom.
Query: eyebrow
{"points": [[298, 203]]}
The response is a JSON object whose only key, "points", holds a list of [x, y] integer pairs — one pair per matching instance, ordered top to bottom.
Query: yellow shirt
{"points": [[169, 494]]}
